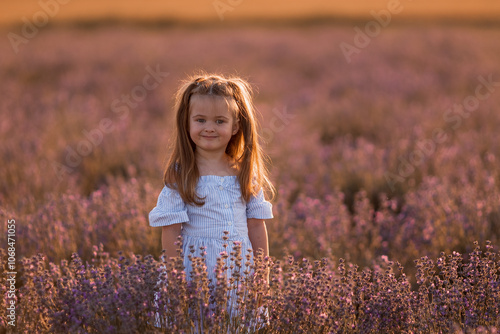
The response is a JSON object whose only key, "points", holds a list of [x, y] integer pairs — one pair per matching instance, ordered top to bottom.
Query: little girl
{"points": [[215, 177]]}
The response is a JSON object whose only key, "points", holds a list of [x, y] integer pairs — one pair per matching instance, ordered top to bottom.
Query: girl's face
{"points": [[212, 122]]}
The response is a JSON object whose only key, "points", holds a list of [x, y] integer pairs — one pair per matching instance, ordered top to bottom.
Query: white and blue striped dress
{"points": [[224, 210]]}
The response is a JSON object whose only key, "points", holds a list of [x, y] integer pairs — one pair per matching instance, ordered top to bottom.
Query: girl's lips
{"points": [[209, 137]]}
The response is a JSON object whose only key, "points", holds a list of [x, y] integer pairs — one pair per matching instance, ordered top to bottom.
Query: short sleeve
{"points": [[259, 208], [170, 209]]}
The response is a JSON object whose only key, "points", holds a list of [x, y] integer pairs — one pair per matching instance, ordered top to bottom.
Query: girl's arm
{"points": [[257, 233], [169, 236]]}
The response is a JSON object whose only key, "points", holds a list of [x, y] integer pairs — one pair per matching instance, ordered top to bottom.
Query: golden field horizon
{"points": [[40, 12]]}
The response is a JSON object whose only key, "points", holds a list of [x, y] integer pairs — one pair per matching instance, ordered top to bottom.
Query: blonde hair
{"points": [[181, 172]]}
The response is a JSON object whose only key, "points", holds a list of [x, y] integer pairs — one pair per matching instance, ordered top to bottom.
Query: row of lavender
{"points": [[430, 221], [115, 295]]}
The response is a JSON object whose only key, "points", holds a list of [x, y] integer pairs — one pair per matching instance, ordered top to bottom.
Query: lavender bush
{"points": [[343, 141], [114, 295]]}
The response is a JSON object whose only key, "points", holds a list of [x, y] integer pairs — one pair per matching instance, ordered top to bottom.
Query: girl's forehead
{"points": [[212, 104]]}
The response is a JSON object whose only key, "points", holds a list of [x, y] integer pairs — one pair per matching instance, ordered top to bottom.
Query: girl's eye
{"points": [[200, 120], [219, 121]]}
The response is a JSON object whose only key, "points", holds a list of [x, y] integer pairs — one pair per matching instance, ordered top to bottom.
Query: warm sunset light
{"points": [[250, 166]]}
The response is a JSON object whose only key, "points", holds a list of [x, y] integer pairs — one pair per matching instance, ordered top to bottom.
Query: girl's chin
{"points": [[208, 147]]}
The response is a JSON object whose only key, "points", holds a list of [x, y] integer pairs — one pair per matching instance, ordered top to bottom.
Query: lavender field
{"points": [[387, 217]]}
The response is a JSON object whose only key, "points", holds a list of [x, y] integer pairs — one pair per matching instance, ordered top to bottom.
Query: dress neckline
{"points": [[218, 180]]}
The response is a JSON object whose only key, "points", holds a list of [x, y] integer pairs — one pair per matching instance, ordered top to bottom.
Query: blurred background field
{"points": [[335, 131]]}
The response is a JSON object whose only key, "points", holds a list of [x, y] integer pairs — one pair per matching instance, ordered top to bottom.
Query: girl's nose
{"points": [[210, 128]]}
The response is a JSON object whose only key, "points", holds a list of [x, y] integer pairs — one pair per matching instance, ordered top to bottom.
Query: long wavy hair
{"points": [[181, 171]]}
